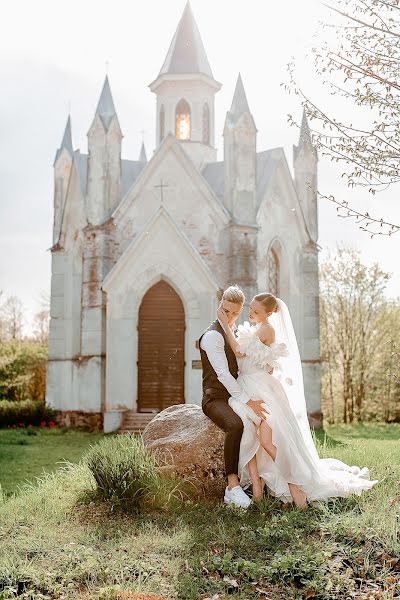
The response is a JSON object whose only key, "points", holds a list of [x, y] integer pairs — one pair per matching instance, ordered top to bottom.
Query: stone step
{"points": [[133, 422]]}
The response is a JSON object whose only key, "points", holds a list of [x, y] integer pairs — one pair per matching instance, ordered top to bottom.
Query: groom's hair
{"points": [[234, 294]]}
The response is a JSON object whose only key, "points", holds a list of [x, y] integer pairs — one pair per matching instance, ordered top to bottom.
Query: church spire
{"points": [[186, 53], [239, 101], [240, 106], [105, 108], [67, 138], [305, 139], [66, 141], [143, 155], [240, 157], [305, 159]]}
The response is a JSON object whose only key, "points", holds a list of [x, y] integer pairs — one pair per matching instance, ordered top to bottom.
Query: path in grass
{"points": [[25, 453]]}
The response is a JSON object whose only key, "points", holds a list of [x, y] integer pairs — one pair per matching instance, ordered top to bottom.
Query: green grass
{"points": [[25, 453], [56, 542]]}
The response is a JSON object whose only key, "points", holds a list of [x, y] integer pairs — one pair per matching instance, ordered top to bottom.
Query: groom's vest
{"points": [[211, 385]]}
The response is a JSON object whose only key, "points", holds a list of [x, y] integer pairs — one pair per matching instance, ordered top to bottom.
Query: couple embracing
{"points": [[253, 390]]}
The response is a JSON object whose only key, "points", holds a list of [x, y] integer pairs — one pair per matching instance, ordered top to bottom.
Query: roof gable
{"points": [[161, 225]]}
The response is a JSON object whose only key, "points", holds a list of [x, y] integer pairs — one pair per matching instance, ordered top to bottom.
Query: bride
{"points": [[280, 449]]}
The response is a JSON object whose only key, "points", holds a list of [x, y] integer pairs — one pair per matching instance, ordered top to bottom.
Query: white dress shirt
{"points": [[213, 344]]}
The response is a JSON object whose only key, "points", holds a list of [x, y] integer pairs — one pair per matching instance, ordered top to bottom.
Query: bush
{"points": [[22, 370], [26, 412], [126, 473]]}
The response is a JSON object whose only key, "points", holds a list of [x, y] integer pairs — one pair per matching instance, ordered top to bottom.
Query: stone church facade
{"points": [[141, 248]]}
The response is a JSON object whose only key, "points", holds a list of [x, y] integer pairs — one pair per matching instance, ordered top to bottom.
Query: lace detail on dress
{"points": [[250, 344]]}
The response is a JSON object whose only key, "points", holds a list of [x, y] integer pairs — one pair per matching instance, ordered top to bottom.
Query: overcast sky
{"points": [[53, 58]]}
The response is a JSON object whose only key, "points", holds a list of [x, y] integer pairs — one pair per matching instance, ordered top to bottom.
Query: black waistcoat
{"points": [[210, 379]]}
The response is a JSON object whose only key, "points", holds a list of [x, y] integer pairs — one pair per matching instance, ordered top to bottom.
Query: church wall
{"points": [[161, 255], [62, 389]]}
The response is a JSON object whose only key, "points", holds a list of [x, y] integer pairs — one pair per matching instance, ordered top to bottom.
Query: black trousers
{"points": [[219, 411]]}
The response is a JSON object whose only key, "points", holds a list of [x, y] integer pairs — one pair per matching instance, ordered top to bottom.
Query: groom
{"points": [[220, 371]]}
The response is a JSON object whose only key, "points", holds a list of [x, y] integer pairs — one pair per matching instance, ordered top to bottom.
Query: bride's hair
{"points": [[234, 294], [268, 301]]}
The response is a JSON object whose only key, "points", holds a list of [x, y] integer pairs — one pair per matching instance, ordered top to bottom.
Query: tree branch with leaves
{"points": [[361, 63]]}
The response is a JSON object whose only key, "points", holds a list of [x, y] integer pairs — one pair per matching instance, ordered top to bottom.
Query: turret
{"points": [[185, 90], [240, 138], [143, 155], [104, 161], [305, 161], [62, 173]]}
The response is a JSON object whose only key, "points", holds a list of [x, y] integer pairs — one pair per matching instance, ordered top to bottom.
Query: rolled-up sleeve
{"points": [[213, 344]]}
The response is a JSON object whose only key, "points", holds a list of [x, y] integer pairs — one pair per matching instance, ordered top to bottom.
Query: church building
{"points": [[142, 248]]}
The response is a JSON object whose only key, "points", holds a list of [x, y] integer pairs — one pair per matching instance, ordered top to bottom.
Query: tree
{"points": [[361, 63], [12, 318], [41, 326], [355, 331]]}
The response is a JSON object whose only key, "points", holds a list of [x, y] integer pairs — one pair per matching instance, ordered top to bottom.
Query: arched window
{"points": [[182, 121], [162, 123], [206, 124], [273, 272]]}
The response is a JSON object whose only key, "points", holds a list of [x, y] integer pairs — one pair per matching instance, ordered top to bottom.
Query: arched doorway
{"points": [[161, 349]]}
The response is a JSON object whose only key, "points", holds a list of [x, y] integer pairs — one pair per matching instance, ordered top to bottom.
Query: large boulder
{"points": [[188, 443]]}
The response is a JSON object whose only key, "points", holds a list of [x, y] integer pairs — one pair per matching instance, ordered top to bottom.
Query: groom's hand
{"points": [[256, 406]]}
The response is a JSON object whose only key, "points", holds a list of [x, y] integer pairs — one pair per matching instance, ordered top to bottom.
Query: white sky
{"points": [[53, 55]]}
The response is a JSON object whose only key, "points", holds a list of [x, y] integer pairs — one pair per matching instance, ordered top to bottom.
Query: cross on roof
{"points": [[162, 185]]}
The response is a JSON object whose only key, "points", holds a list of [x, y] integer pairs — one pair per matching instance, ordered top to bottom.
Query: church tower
{"points": [[185, 90], [240, 138], [104, 161], [305, 161], [62, 172], [240, 185]]}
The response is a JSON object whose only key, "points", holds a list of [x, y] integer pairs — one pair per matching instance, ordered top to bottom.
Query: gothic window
{"points": [[182, 121], [162, 123], [206, 124], [273, 272]]}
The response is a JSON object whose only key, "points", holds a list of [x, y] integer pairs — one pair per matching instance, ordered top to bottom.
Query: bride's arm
{"points": [[228, 331]]}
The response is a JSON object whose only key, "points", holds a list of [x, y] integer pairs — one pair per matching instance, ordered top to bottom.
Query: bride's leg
{"points": [[265, 434], [266, 439], [255, 478], [299, 497]]}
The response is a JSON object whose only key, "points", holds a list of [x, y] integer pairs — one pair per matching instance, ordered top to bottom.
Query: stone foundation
{"points": [[76, 418]]}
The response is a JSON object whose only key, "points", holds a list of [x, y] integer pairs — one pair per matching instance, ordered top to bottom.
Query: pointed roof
{"points": [[186, 53], [239, 101], [240, 105], [105, 108], [305, 134], [67, 138], [305, 138], [66, 141], [143, 155]]}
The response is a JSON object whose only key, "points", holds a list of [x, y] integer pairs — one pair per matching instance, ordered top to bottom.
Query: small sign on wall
{"points": [[196, 364]]}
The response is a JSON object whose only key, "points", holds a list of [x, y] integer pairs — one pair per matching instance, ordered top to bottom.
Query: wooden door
{"points": [[161, 349]]}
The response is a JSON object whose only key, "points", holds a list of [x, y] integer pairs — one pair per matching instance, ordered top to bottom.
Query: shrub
{"points": [[22, 370], [25, 412], [126, 473]]}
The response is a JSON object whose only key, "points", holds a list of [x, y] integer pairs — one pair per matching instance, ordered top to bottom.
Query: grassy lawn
{"points": [[25, 453], [56, 542]]}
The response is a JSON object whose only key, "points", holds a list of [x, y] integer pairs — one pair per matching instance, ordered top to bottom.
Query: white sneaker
{"points": [[236, 496]]}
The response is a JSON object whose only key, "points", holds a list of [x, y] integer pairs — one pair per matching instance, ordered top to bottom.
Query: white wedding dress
{"points": [[297, 460]]}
